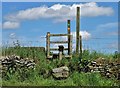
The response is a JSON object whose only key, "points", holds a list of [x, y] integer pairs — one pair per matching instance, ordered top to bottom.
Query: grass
{"points": [[40, 76], [76, 79]]}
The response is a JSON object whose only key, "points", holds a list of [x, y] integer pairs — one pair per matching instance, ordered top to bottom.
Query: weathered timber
{"points": [[68, 27], [77, 30], [58, 35], [58, 41], [48, 44], [70, 46], [80, 47], [56, 49]]}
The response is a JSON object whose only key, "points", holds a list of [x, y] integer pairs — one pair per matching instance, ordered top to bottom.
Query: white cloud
{"points": [[60, 11], [11, 25], [107, 29], [12, 35], [85, 35]]}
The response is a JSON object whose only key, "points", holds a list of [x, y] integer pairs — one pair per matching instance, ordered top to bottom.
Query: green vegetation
{"points": [[41, 76]]}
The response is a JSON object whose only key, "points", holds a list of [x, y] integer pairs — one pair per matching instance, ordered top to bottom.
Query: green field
{"points": [[40, 76]]}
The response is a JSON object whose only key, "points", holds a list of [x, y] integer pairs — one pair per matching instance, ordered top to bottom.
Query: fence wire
{"points": [[94, 45]]}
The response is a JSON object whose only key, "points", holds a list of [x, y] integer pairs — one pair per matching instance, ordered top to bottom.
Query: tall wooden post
{"points": [[68, 28], [77, 30], [48, 44], [80, 44], [71, 46], [80, 47]]}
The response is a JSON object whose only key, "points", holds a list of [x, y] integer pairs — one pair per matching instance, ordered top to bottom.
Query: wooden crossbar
{"points": [[59, 35], [59, 42], [56, 49]]}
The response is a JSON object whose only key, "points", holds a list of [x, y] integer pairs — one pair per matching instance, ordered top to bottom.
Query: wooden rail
{"points": [[59, 35], [58, 41], [56, 49]]}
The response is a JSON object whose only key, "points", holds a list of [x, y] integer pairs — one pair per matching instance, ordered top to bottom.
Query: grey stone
{"points": [[61, 72]]}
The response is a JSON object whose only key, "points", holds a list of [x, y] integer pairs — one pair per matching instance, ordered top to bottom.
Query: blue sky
{"points": [[27, 22]]}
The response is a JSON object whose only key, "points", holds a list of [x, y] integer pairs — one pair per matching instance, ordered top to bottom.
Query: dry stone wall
{"points": [[13, 63], [106, 68]]}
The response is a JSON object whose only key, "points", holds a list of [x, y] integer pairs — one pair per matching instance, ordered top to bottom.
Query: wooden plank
{"points": [[58, 34], [59, 42], [56, 49]]}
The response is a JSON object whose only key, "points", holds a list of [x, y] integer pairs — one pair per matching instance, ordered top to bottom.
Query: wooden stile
{"points": [[69, 42]]}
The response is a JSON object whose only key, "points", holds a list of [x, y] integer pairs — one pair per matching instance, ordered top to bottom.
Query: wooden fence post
{"points": [[68, 29], [77, 30], [48, 44], [71, 46], [80, 47]]}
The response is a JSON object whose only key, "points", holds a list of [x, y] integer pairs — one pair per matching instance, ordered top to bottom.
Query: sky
{"points": [[29, 23]]}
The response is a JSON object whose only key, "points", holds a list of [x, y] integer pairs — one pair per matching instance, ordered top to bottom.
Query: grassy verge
{"points": [[40, 76]]}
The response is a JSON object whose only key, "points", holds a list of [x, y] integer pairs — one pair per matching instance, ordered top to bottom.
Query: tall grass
{"points": [[40, 76]]}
